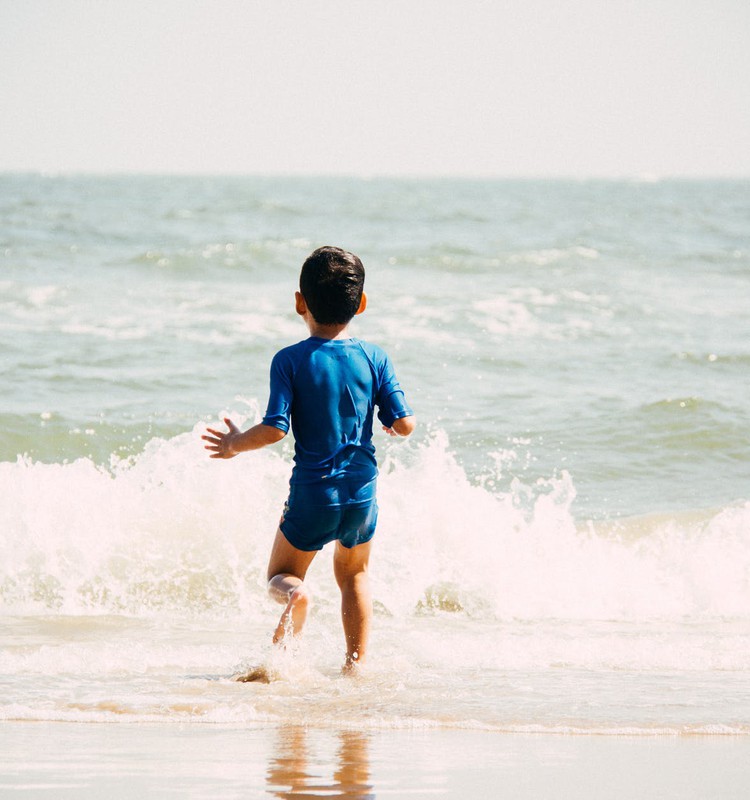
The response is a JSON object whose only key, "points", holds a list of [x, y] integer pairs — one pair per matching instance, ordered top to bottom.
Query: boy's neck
{"points": [[328, 331]]}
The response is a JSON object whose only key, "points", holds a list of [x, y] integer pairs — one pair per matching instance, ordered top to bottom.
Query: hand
{"points": [[389, 431], [222, 443]]}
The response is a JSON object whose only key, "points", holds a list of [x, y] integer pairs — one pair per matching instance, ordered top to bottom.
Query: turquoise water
{"points": [[596, 327], [567, 533]]}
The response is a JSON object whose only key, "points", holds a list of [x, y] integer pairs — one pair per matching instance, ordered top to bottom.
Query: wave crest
{"points": [[171, 531]]}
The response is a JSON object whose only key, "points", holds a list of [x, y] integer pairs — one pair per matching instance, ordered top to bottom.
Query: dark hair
{"points": [[331, 282]]}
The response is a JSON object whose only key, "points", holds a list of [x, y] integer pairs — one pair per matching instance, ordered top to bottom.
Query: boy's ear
{"points": [[362, 304], [300, 306]]}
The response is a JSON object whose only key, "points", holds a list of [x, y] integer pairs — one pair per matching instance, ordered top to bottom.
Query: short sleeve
{"points": [[390, 397], [279, 407]]}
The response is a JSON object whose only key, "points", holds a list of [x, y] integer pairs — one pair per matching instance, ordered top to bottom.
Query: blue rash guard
{"points": [[328, 390]]}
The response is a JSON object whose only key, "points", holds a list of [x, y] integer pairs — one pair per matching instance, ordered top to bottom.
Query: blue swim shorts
{"points": [[313, 527]]}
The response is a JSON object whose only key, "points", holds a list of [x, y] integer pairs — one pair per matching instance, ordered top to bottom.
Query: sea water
{"points": [[564, 544]]}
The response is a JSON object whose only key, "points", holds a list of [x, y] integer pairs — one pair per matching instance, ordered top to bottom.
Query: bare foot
{"points": [[353, 665], [254, 675]]}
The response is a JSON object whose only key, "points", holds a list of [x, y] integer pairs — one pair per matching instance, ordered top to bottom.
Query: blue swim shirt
{"points": [[326, 390]]}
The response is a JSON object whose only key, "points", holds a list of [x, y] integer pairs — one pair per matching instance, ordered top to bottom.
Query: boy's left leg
{"points": [[287, 568]]}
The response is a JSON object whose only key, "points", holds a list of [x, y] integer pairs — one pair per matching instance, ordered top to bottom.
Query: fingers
{"points": [[220, 434], [217, 437], [219, 441], [215, 442], [219, 452]]}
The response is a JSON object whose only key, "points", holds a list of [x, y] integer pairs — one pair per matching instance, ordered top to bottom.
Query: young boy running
{"points": [[326, 387]]}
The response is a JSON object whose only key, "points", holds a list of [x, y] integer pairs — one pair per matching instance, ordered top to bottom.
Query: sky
{"points": [[508, 88]]}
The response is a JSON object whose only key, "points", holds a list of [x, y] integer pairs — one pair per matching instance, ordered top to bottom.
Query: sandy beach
{"points": [[141, 760]]}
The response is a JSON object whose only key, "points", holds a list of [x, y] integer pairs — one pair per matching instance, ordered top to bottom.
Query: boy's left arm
{"points": [[403, 426], [234, 441]]}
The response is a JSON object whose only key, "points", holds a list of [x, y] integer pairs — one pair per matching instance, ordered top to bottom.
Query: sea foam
{"points": [[170, 530]]}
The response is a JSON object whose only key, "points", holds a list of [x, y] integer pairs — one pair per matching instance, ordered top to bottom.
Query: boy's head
{"points": [[331, 282]]}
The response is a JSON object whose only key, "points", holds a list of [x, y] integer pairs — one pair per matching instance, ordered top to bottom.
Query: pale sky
{"points": [[505, 88]]}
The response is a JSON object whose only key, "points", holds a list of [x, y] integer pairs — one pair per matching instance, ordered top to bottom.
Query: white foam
{"points": [[553, 255], [529, 312], [171, 529]]}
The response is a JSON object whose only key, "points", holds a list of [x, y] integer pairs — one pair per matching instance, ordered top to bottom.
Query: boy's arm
{"points": [[394, 412], [403, 426], [234, 441]]}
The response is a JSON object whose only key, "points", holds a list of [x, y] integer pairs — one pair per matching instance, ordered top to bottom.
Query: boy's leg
{"points": [[287, 568], [350, 568]]}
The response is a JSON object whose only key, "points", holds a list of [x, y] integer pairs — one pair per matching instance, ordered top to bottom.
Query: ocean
{"points": [[563, 545]]}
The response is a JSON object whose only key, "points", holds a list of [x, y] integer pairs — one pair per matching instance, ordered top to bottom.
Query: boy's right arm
{"points": [[235, 441]]}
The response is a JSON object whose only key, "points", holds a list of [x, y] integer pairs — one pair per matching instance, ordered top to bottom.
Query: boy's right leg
{"points": [[287, 568], [350, 568]]}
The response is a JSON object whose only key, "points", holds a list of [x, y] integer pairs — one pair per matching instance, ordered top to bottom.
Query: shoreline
{"points": [[377, 728]]}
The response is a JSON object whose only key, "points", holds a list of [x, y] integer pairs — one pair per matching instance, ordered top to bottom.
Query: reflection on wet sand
{"points": [[292, 772]]}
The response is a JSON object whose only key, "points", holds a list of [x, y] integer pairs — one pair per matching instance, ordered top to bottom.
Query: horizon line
{"points": [[635, 177]]}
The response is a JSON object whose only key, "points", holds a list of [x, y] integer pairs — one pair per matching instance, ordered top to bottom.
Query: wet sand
{"points": [[84, 760]]}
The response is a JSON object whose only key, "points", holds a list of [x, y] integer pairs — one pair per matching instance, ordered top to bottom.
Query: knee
{"points": [[352, 581], [297, 594], [301, 597]]}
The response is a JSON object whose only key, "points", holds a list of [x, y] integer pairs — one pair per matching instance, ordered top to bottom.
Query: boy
{"points": [[326, 387]]}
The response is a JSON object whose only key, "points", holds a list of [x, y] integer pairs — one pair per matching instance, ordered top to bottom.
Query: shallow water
{"points": [[563, 546]]}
